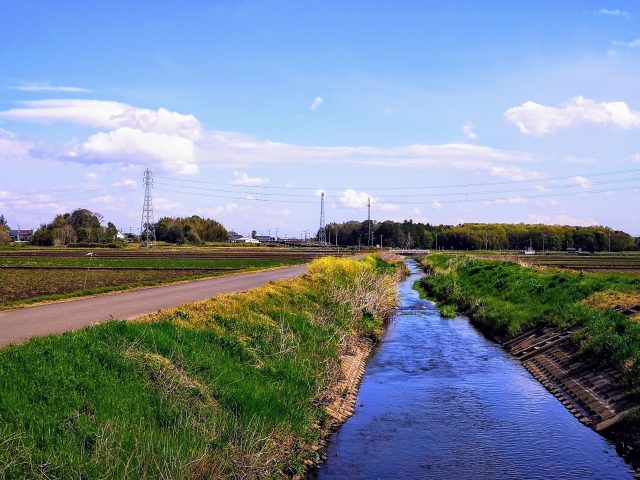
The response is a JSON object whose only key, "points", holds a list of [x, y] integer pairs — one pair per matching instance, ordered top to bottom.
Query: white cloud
{"points": [[616, 12], [631, 44], [40, 87], [317, 102], [535, 119], [468, 130], [136, 135], [170, 141], [13, 147], [233, 149], [635, 158], [514, 173], [92, 177], [243, 179], [581, 181], [125, 182], [353, 199], [506, 201], [436, 205], [389, 207], [230, 209], [283, 212], [561, 220]]}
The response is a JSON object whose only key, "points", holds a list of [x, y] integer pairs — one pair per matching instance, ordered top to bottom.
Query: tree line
{"points": [[84, 226], [192, 229], [478, 236]]}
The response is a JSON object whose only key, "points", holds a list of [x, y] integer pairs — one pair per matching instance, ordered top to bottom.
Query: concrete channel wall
{"points": [[590, 394]]}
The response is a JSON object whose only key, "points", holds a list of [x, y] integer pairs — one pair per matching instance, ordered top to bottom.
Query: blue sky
{"points": [[488, 111]]}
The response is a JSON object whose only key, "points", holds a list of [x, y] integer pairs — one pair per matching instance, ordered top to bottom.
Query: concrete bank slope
{"points": [[19, 325], [590, 393]]}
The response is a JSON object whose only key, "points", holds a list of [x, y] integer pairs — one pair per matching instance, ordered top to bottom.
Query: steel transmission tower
{"points": [[147, 227], [322, 232], [370, 233]]}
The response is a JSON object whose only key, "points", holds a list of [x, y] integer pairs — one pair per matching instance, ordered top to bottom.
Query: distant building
{"points": [[22, 235], [233, 236], [264, 238], [245, 240]]}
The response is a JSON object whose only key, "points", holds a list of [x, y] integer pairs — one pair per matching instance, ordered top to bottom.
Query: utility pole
{"points": [[369, 221], [147, 228], [322, 232], [380, 240], [609, 241], [436, 242], [543, 250]]}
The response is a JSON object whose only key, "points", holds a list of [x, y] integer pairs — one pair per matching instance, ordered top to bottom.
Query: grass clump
{"points": [[231, 387]]}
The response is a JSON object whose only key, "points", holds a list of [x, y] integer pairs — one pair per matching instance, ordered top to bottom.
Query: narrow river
{"points": [[440, 401]]}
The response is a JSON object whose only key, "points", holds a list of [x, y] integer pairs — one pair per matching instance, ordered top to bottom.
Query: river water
{"points": [[440, 401]]}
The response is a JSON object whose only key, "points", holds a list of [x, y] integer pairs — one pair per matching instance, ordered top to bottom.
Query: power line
{"points": [[421, 187]]}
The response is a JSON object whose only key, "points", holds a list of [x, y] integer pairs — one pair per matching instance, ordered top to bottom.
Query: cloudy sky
{"points": [[244, 111]]}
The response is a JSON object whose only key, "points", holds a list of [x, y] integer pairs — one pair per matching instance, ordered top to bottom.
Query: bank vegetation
{"points": [[234, 387]]}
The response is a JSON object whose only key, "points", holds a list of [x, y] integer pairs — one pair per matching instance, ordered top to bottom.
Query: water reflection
{"points": [[439, 401]]}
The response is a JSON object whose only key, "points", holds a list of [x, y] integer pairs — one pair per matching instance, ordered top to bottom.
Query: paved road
{"points": [[17, 326]]}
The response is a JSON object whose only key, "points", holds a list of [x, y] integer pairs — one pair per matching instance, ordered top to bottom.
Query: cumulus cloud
{"points": [[41, 87], [317, 102], [535, 119], [468, 130], [134, 135], [635, 158], [92, 177], [242, 178], [582, 182], [353, 199], [436, 205]]}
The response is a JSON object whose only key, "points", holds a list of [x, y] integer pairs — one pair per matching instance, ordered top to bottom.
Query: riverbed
{"points": [[441, 401]]}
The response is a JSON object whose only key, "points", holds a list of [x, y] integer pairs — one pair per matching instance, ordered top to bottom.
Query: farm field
{"points": [[618, 262], [31, 275]]}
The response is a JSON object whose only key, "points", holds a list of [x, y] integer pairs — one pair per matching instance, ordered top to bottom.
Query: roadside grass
{"points": [[506, 299], [232, 387]]}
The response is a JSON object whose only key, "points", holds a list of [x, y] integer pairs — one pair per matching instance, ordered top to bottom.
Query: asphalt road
{"points": [[19, 325]]}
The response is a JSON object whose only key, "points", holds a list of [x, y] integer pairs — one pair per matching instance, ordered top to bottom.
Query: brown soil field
{"points": [[22, 284]]}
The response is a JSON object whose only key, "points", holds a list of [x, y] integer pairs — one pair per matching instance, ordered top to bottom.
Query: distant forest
{"points": [[192, 229], [474, 236]]}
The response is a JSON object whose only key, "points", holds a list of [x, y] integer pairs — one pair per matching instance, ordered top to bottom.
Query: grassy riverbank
{"points": [[505, 299], [233, 387]]}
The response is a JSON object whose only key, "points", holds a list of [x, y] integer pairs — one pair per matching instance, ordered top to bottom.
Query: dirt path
{"points": [[17, 326]]}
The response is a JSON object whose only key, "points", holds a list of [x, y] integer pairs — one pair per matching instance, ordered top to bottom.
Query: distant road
{"points": [[19, 325]]}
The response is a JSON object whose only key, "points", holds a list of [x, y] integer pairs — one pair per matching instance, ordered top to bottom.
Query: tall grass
{"points": [[232, 387]]}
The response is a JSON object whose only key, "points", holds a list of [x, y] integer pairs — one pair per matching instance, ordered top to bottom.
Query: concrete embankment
{"points": [[592, 394]]}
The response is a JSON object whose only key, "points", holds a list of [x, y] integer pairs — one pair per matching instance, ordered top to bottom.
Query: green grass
{"points": [[506, 299], [228, 388]]}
